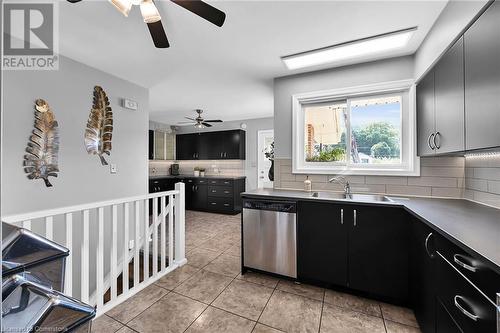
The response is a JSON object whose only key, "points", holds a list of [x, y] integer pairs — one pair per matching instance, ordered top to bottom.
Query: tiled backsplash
{"points": [[223, 168], [440, 177], [475, 177], [482, 179]]}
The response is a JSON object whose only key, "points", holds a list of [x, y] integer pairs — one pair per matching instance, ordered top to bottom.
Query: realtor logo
{"points": [[30, 40]]}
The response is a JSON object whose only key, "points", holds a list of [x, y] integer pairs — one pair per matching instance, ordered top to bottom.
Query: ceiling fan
{"points": [[152, 17], [199, 122]]}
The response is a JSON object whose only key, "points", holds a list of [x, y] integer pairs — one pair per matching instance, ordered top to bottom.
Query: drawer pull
{"points": [[214, 191], [227, 192], [213, 203], [226, 205], [341, 216], [427, 245], [458, 258], [465, 312]]}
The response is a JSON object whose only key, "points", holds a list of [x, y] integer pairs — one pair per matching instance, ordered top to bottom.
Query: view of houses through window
{"points": [[358, 131]]}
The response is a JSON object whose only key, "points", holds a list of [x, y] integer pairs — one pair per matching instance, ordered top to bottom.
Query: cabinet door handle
{"points": [[431, 137], [434, 140], [192, 188], [341, 216], [355, 217], [426, 244], [458, 258], [460, 307]]}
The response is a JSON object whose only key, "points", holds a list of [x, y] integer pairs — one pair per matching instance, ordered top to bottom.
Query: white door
{"points": [[265, 138]]}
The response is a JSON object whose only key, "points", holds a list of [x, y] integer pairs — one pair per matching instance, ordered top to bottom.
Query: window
{"points": [[356, 131]]}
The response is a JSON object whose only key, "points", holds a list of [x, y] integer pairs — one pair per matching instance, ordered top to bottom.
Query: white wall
{"points": [[453, 20], [367, 73], [253, 126], [82, 178]]}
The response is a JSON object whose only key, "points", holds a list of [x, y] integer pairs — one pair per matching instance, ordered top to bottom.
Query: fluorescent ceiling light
{"points": [[123, 6], [355, 49]]}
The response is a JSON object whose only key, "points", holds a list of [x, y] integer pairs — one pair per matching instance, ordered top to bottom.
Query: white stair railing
{"points": [[103, 237]]}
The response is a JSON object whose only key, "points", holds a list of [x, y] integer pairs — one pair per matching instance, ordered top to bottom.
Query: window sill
{"points": [[330, 170]]}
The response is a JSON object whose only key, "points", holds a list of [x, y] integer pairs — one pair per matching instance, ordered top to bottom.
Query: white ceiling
{"points": [[227, 71]]}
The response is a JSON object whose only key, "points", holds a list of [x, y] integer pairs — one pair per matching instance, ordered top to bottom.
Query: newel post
{"points": [[180, 227]]}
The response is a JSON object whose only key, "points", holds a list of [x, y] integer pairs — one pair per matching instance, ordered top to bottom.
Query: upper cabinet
{"points": [[482, 81], [449, 101], [458, 104], [440, 105], [426, 124], [161, 145], [219, 145]]}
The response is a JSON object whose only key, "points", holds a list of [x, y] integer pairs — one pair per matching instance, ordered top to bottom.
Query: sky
{"points": [[362, 116]]}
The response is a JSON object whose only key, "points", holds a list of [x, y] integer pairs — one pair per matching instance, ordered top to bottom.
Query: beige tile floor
{"points": [[209, 295]]}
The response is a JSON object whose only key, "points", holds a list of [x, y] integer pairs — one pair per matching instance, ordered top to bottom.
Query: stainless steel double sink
{"points": [[353, 197]]}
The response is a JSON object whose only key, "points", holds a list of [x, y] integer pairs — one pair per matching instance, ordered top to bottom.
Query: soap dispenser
{"points": [[307, 184]]}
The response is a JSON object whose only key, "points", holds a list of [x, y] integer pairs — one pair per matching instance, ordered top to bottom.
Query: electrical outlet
{"points": [[112, 168]]}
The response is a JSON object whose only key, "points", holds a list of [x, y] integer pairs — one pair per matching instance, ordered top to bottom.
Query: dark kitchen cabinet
{"points": [[482, 80], [449, 101], [440, 106], [425, 115], [151, 144], [218, 145], [199, 196], [322, 244], [361, 247], [378, 251], [423, 276], [444, 322]]}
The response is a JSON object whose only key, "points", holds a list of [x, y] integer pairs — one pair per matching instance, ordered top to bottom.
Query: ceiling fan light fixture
{"points": [[123, 6], [149, 12], [198, 125]]}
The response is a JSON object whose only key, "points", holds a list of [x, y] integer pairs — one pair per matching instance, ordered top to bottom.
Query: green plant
{"points": [[381, 150], [329, 155], [197, 169], [202, 169]]}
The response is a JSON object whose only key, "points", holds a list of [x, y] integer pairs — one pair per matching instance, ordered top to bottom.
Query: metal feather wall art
{"points": [[99, 126], [40, 162]]}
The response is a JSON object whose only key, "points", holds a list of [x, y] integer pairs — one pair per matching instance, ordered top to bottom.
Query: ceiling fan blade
{"points": [[74, 1], [203, 10], [158, 34], [190, 118], [213, 121], [186, 122], [206, 124]]}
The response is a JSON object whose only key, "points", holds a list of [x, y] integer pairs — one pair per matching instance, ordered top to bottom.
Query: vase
{"points": [[270, 174]]}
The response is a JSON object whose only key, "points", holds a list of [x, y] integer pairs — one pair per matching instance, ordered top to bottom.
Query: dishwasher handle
{"points": [[275, 206]]}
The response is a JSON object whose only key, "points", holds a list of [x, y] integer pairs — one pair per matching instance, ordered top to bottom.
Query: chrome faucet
{"points": [[342, 181]]}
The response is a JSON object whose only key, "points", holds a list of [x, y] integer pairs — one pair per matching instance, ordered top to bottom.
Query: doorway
{"points": [[265, 138]]}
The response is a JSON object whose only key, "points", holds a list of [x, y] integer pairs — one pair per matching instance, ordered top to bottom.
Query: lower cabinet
{"points": [[198, 197], [321, 244], [361, 247], [378, 251], [422, 275], [444, 322]]}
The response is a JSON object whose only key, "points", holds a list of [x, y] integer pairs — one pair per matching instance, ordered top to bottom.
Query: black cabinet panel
{"points": [[482, 80], [449, 91], [425, 115], [151, 144], [211, 145], [199, 197], [321, 244], [378, 251], [422, 276], [444, 322]]}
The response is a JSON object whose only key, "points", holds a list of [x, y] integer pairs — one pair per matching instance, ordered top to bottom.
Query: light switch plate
{"points": [[130, 104], [112, 168]]}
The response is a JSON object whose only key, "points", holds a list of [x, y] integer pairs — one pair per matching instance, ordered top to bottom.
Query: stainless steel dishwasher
{"points": [[269, 236]]}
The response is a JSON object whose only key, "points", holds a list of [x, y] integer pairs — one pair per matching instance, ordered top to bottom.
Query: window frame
{"points": [[410, 162]]}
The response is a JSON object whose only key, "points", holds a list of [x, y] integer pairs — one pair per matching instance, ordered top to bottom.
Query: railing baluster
{"points": [[27, 224], [49, 227], [171, 230], [163, 232], [155, 236], [145, 242], [136, 244], [114, 252], [180, 254], [85, 258], [100, 259], [125, 273], [68, 280]]}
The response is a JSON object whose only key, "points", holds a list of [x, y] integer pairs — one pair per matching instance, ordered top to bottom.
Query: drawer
{"points": [[201, 181], [224, 182], [220, 191], [220, 204], [473, 268], [472, 311]]}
